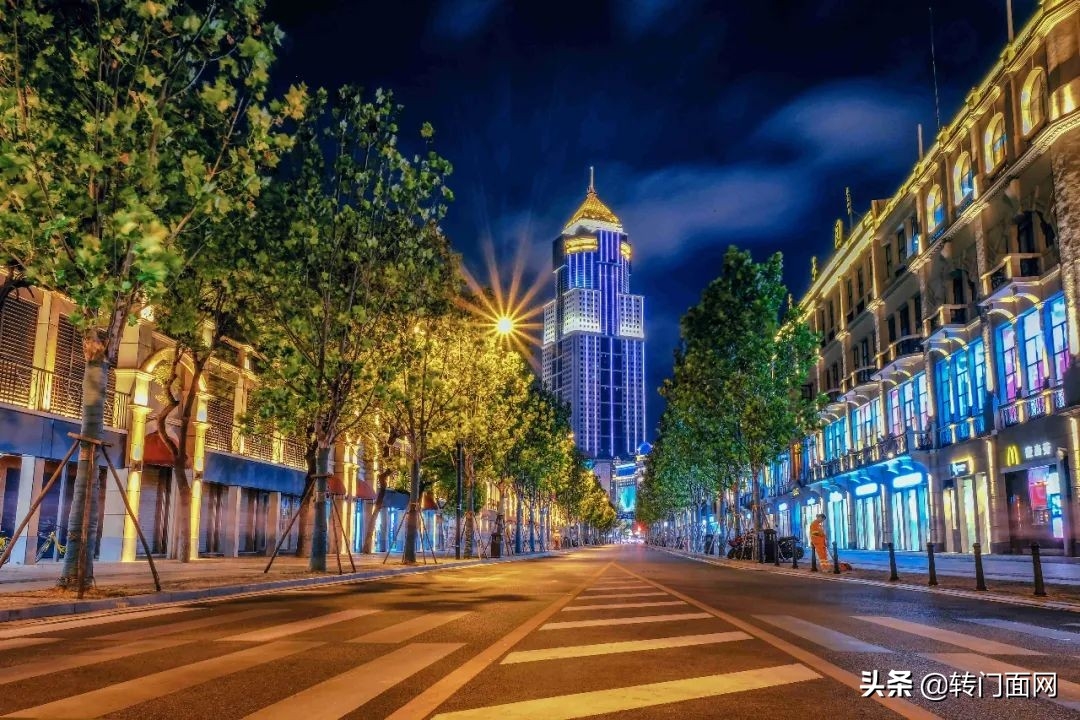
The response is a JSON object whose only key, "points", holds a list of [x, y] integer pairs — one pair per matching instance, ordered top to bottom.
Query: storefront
{"points": [[1033, 481], [966, 507], [810, 510], [837, 515], [910, 519], [783, 520], [868, 525]]}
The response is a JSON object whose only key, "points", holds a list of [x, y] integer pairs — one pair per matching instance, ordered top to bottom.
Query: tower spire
{"points": [[592, 177]]}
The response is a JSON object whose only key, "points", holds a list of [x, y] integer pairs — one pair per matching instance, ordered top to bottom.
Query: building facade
{"points": [[594, 335], [949, 337]]}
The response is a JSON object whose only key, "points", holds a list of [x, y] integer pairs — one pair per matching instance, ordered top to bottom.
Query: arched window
{"points": [[1033, 100], [994, 143], [962, 179], [935, 209]]}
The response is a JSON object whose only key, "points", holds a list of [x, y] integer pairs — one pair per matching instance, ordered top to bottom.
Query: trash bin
{"points": [[710, 541], [496, 545], [769, 546]]}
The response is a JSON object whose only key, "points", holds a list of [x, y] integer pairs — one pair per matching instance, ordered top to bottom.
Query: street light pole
{"points": [[457, 519]]}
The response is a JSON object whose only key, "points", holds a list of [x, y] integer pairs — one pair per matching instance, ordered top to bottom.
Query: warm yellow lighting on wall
{"points": [[584, 243], [626, 251]]}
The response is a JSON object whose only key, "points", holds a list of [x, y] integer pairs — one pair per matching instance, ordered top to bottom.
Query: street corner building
{"points": [[594, 337], [949, 338], [246, 486]]}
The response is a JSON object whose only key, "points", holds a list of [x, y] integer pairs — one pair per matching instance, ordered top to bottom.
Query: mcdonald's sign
{"points": [[1012, 455]]}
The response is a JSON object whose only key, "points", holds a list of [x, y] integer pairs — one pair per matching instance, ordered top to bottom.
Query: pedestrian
{"points": [[819, 540]]}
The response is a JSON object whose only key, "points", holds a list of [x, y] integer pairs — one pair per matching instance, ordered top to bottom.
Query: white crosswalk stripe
{"points": [[654, 593], [620, 606], [674, 617], [187, 625], [410, 628], [1027, 629], [276, 632], [823, 636], [970, 642], [16, 643], [612, 648], [53, 664], [344, 693], [119, 696], [624, 699]]}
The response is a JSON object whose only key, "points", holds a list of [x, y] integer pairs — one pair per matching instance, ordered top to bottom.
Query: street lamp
{"points": [[504, 325]]}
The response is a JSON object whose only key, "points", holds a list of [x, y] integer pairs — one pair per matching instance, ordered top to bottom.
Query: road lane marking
{"points": [[621, 586], [621, 595], [617, 606], [674, 617], [187, 625], [48, 627], [409, 629], [1027, 629], [276, 632], [823, 636], [16, 643], [976, 644], [612, 648], [60, 663], [344, 693], [1068, 693], [120, 696], [428, 701], [602, 702], [902, 707]]}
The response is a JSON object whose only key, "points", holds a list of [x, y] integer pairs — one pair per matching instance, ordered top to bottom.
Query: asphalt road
{"points": [[625, 631]]}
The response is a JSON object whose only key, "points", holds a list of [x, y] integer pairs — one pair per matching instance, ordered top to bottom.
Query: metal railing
{"points": [[1012, 267], [947, 315], [35, 388]]}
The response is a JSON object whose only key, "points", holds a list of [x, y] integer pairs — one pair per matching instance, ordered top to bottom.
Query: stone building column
{"points": [[1065, 162], [31, 471], [231, 521]]}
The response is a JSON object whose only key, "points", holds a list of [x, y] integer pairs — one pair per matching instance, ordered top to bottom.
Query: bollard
{"points": [[776, 553], [794, 556], [813, 559], [835, 560], [931, 566], [1036, 566], [893, 577], [980, 580]]}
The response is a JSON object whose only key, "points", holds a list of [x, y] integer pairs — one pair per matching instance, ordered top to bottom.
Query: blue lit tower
{"points": [[594, 333]]}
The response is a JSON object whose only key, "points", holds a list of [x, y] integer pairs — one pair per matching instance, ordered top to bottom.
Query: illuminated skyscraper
{"points": [[594, 333]]}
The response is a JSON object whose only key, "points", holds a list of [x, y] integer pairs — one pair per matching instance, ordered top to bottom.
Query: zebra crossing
{"points": [[188, 647]]}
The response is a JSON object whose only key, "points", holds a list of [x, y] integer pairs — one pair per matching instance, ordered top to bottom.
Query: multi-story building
{"points": [[948, 322], [594, 336]]}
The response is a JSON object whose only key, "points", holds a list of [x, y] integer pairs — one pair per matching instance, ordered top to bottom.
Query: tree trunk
{"points": [[93, 424], [376, 508], [755, 510], [470, 515], [412, 517], [305, 521], [532, 526], [517, 529], [183, 537], [317, 559]]}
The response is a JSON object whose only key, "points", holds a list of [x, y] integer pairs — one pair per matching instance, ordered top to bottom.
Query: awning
{"points": [[156, 452], [335, 485], [364, 491]]}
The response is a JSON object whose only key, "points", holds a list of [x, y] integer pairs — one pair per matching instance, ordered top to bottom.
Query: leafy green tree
{"points": [[124, 125], [355, 261]]}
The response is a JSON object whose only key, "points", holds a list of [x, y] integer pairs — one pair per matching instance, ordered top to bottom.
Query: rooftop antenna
{"points": [[1009, 14], [933, 66], [920, 142], [592, 177]]}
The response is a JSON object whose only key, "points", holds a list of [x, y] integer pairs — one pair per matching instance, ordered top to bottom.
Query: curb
{"points": [[227, 592], [988, 596]]}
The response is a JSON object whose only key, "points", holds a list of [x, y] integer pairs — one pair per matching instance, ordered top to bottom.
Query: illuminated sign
{"points": [[838, 234], [583, 243], [624, 249], [1014, 454], [962, 467], [906, 481], [867, 489], [836, 497], [782, 506]]}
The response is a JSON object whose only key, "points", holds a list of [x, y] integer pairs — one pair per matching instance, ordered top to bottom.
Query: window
{"points": [[1033, 101], [994, 143], [963, 180], [935, 209], [914, 222], [1025, 234], [901, 246], [888, 261], [1059, 336], [1034, 352], [1009, 356], [978, 368], [962, 370], [945, 398], [922, 400], [896, 412], [866, 425], [835, 439]]}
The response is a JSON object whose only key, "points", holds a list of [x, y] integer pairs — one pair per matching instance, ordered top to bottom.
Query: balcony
{"points": [[1014, 273], [947, 317], [902, 356], [857, 383], [34, 388], [1036, 406], [961, 430], [885, 449]]}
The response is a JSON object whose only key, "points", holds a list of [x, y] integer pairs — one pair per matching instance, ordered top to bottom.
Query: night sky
{"points": [[710, 122]]}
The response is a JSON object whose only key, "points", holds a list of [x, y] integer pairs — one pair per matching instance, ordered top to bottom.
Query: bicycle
{"points": [[51, 540]]}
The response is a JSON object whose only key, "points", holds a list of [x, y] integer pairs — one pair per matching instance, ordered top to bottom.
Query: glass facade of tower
{"points": [[594, 334]]}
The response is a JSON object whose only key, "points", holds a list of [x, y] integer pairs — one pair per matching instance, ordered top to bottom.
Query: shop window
{"points": [[1033, 100], [994, 143], [1059, 336], [1034, 352], [1009, 361]]}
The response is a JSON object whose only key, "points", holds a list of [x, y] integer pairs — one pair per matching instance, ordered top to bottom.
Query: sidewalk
{"points": [[1057, 570], [29, 591]]}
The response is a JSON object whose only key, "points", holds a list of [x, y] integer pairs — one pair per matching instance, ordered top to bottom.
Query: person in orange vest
{"points": [[818, 539]]}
